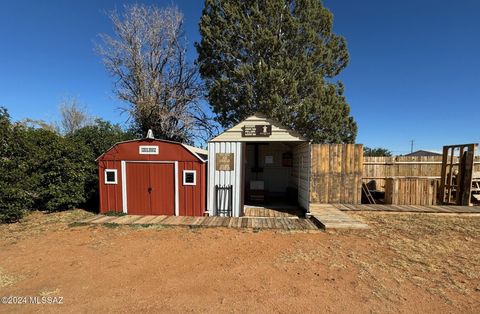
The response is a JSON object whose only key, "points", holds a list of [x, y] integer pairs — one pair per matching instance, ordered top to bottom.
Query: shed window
{"points": [[110, 176], [189, 177]]}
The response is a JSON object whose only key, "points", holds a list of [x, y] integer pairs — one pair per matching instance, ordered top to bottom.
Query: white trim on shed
{"points": [[115, 176]]}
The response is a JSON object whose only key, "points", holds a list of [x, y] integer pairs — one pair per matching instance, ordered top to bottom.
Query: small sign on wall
{"points": [[263, 130], [148, 150], [268, 159], [224, 161]]}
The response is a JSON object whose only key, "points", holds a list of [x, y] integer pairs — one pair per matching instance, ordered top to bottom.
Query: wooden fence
{"points": [[377, 169], [336, 173], [411, 191]]}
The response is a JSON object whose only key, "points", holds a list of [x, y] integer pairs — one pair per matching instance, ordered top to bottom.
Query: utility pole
{"points": [[411, 146]]}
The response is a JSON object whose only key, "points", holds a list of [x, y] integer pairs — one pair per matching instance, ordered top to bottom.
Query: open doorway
{"points": [[271, 179]]}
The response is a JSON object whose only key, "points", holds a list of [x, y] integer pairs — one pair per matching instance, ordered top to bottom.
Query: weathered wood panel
{"points": [[377, 169], [336, 173], [411, 191], [455, 210], [282, 223]]}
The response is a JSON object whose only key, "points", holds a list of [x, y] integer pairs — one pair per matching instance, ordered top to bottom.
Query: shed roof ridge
{"points": [[187, 147]]}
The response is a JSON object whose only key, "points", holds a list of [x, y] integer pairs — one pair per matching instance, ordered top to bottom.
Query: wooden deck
{"points": [[444, 209], [290, 212], [330, 217], [279, 223]]}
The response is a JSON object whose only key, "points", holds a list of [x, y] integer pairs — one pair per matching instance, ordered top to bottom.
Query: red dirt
{"points": [[131, 269]]}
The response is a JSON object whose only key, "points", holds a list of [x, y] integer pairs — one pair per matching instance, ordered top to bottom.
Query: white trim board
{"points": [[194, 172], [105, 177], [124, 187], [177, 209]]}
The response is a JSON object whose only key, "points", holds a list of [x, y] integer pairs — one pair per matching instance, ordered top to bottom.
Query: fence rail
{"points": [[377, 169]]}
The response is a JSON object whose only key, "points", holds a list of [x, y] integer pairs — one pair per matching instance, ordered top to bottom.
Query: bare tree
{"points": [[147, 56], [74, 115], [39, 123]]}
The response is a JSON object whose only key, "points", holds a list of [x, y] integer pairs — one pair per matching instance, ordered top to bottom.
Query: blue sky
{"points": [[414, 72]]}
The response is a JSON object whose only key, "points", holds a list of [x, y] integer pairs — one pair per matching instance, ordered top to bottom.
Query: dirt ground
{"points": [[408, 263]]}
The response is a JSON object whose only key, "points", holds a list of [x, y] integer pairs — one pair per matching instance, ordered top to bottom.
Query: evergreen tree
{"points": [[278, 57], [376, 152]]}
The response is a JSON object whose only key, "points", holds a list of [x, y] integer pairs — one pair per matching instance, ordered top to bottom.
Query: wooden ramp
{"points": [[443, 209], [286, 211], [330, 217], [278, 223]]}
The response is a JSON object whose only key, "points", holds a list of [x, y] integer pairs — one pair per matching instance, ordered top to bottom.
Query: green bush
{"points": [[97, 139], [13, 163], [40, 169], [58, 169], [12, 203]]}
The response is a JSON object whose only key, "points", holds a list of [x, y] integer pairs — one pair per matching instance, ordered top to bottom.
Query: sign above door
{"points": [[262, 130], [148, 150]]}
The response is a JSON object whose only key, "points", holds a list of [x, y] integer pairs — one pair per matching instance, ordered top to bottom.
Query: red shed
{"points": [[153, 177]]}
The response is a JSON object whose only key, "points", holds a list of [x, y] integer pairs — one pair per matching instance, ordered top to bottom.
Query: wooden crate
{"points": [[411, 191]]}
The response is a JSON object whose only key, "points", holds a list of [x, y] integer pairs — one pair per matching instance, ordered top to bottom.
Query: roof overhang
{"points": [[279, 133]]}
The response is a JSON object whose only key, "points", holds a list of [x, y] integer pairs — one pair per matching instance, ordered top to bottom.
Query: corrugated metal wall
{"points": [[301, 173], [225, 178]]}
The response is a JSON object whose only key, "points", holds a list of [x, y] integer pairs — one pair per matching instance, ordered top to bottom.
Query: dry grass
{"points": [[37, 222], [438, 253], [7, 280], [49, 292]]}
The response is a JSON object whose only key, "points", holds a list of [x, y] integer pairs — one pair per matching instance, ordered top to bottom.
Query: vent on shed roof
{"points": [[150, 134]]}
